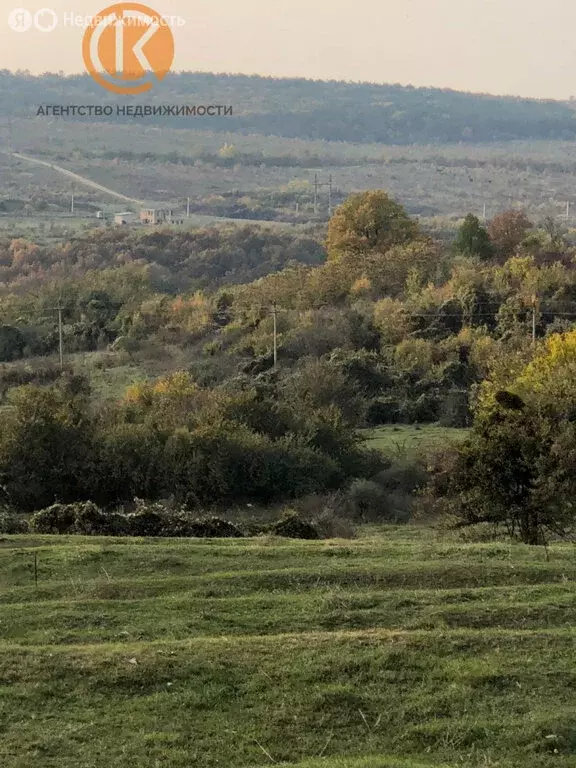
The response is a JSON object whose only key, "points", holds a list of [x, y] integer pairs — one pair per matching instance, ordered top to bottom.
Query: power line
{"points": [[59, 308], [440, 314]]}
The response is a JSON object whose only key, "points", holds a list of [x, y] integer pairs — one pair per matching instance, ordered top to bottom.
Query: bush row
{"points": [[151, 520]]}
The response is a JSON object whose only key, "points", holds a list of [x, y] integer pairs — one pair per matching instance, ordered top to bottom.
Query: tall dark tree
{"points": [[473, 239], [516, 470]]}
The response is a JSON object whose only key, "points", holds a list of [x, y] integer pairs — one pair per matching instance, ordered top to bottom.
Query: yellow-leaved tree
{"points": [[367, 222], [549, 381], [546, 382], [171, 401], [517, 467]]}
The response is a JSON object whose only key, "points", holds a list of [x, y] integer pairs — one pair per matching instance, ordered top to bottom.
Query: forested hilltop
{"points": [[307, 109]]}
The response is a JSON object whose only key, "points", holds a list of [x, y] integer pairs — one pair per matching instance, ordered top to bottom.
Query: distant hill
{"points": [[334, 111]]}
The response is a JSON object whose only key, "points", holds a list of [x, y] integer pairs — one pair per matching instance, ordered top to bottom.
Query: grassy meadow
{"points": [[410, 439], [403, 648]]}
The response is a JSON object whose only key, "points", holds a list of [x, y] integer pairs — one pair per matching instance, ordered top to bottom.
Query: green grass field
{"points": [[410, 439], [402, 648]]}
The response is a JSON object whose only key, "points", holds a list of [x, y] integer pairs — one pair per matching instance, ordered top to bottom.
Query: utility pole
{"points": [[315, 194], [72, 202], [187, 207], [484, 214], [59, 309], [274, 315], [60, 336]]}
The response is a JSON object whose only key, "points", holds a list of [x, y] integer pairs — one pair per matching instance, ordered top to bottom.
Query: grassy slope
{"points": [[408, 439], [399, 649]]}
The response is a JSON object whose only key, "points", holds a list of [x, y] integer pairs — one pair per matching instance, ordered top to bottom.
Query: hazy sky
{"points": [[524, 47]]}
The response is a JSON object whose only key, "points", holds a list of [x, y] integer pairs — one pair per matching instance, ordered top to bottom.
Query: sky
{"points": [[519, 47]]}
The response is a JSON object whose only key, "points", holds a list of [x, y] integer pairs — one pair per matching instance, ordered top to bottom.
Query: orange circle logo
{"points": [[127, 48]]}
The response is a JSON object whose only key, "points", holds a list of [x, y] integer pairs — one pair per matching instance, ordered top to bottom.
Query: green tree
{"points": [[369, 222], [473, 239], [12, 343], [318, 384], [46, 449], [129, 459], [516, 470]]}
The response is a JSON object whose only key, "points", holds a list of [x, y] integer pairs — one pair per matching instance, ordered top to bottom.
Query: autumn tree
{"points": [[369, 222], [507, 231], [472, 239], [24, 253], [548, 382], [517, 467]]}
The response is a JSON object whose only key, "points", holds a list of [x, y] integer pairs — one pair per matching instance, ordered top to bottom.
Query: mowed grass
{"points": [[410, 439], [404, 648]]}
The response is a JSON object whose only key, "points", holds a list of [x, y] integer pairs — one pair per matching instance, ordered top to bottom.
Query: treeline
{"points": [[336, 111], [229, 157], [180, 260], [400, 328], [246, 442]]}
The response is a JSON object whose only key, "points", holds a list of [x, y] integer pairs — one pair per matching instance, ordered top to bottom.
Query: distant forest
{"points": [[333, 111]]}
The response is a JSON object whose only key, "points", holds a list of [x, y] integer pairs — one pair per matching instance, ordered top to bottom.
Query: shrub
{"points": [[426, 408], [383, 410], [455, 410], [404, 475], [367, 501], [328, 513], [82, 517], [58, 518], [89, 519], [149, 519], [154, 519], [92, 521], [147, 522], [12, 524], [115, 524], [292, 527], [334, 527], [212, 528]]}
